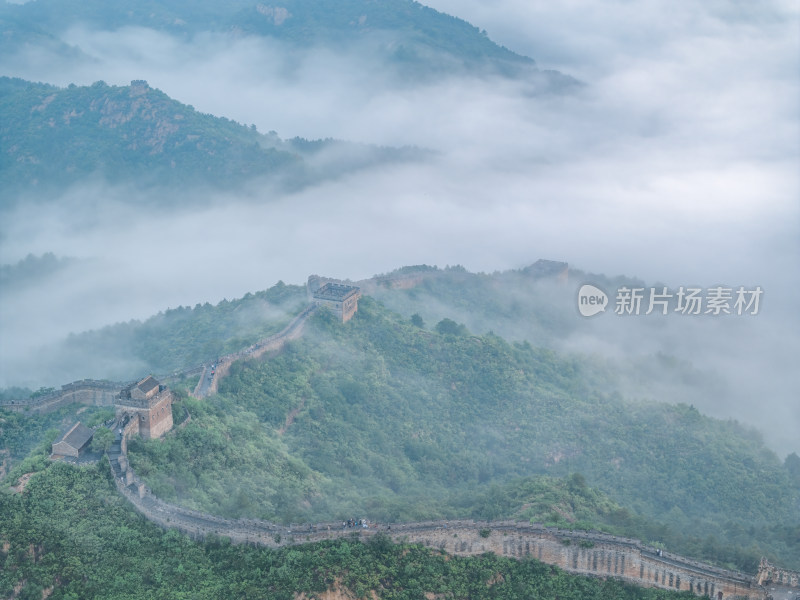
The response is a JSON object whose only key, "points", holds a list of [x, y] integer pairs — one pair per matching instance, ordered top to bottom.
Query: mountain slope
{"points": [[416, 39], [57, 136], [138, 136], [384, 417], [71, 535]]}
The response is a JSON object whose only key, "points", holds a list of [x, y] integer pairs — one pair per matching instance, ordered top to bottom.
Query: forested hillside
{"points": [[415, 39], [58, 136], [138, 136], [31, 270], [181, 337], [642, 357], [383, 417], [70, 535]]}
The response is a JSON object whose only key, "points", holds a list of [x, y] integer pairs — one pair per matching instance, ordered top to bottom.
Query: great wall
{"points": [[208, 385], [86, 391], [93, 392], [581, 552]]}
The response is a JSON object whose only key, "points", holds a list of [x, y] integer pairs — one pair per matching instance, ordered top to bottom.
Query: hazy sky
{"points": [[677, 162]]}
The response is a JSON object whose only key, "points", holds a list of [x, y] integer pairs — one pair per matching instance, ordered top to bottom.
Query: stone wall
{"points": [[401, 281], [350, 307], [272, 343], [87, 391], [152, 421], [584, 553], [595, 554]]}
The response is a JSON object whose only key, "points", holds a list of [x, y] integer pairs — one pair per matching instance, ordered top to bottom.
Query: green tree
{"points": [[449, 327], [102, 440]]}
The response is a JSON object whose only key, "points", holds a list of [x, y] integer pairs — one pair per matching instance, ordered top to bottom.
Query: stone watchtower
{"points": [[342, 299], [150, 403]]}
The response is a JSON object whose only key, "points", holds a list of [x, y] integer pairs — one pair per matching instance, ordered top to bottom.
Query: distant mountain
{"points": [[18, 32], [414, 38], [56, 136], [53, 137], [31, 269]]}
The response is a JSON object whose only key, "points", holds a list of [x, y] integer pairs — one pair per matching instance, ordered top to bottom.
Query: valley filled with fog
{"points": [[674, 161]]}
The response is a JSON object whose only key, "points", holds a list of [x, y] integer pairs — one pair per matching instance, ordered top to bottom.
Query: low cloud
{"points": [[675, 162]]}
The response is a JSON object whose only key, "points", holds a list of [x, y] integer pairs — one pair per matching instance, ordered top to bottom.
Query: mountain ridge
{"points": [[297, 21], [137, 135], [60, 136]]}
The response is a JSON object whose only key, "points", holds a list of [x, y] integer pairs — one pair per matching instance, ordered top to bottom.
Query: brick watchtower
{"points": [[340, 298], [150, 403]]}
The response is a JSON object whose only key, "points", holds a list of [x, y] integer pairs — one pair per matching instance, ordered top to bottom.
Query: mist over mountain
{"points": [[408, 37], [138, 136], [56, 137], [672, 162], [172, 171], [31, 270]]}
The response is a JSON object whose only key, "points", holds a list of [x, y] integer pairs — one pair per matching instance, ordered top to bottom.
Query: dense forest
{"points": [[520, 305], [406, 418], [399, 422], [70, 535]]}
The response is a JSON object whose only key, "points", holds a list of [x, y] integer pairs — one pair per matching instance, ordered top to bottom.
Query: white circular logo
{"points": [[591, 300]]}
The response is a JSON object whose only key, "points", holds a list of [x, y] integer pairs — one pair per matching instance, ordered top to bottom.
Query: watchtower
{"points": [[342, 299], [150, 403]]}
